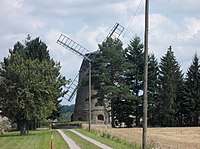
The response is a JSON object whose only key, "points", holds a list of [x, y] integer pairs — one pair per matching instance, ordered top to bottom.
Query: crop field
{"points": [[159, 138]]}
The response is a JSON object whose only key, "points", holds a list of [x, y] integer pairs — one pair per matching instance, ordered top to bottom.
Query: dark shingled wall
{"points": [[81, 110]]}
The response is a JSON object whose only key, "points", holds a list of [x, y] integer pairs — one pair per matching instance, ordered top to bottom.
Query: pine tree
{"points": [[153, 72], [108, 73], [134, 73], [170, 79], [191, 104]]}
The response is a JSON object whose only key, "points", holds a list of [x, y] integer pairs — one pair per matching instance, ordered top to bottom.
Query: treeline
{"points": [[173, 97], [65, 113]]}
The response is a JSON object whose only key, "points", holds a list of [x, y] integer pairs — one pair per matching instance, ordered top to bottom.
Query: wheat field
{"points": [[158, 138]]}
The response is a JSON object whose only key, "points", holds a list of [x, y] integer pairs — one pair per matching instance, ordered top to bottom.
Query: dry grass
{"points": [[161, 138]]}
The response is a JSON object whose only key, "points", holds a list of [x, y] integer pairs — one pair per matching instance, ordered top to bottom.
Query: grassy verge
{"points": [[39, 139], [114, 142], [82, 143]]}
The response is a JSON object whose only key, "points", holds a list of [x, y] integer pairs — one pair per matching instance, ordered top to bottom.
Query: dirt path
{"points": [[70, 142], [99, 144]]}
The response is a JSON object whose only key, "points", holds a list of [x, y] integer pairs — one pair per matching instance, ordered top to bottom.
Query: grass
{"points": [[106, 138], [39, 139], [82, 143]]}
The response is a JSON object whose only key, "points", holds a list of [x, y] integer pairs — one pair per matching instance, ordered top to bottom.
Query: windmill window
{"points": [[100, 117]]}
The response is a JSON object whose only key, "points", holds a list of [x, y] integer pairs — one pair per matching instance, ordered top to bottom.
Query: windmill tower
{"points": [[85, 108]]}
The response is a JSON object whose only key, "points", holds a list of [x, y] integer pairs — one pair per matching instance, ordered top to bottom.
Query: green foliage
{"points": [[33, 49], [109, 62], [135, 65], [108, 71], [134, 72], [153, 72], [170, 81], [31, 84], [172, 101], [191, 101], [124, 106], [67, 108], [65, 113], [65, 117]]}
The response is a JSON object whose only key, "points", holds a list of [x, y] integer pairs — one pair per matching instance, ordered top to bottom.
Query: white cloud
{"points": [[185, 6], [172, 22], [192, 25], [163, 32], [90, 37]]}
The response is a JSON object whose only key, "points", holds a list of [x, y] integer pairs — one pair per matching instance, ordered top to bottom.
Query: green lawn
{"points": [[39, 139], [115, 143], [84, 144]]}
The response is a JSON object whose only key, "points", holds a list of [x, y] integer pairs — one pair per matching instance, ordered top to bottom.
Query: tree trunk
{"points": [[112, 115], [137, 117], [34, 124], [38, 124], [18, 126], [27, 127], [23, 128], [2, 131]]}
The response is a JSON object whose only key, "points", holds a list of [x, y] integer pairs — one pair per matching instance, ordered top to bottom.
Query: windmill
{"points": [[79, 50]]}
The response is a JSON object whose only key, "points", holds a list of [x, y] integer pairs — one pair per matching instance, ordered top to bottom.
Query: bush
{"points": [[4, 124]]}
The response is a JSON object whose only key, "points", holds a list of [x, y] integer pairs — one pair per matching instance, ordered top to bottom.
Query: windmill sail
{"points": [[74, 47]]}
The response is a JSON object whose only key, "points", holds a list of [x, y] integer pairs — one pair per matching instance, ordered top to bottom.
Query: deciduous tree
{"points": [[31, 84]]}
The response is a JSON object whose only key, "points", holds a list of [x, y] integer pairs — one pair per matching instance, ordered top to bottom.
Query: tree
{"points": [[32, 49], [36, 49], [108, 72], [134, 72], [153, 72], [170, 81], [30, 86], [191, 101], [124, 106], [66, 112]]}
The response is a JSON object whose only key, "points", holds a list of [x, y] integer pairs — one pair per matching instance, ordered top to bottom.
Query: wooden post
{"points": [[90, 94], [145, 102], [51, 135]]}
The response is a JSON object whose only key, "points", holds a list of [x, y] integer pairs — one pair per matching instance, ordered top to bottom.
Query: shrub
{"points": [[4, 124]]}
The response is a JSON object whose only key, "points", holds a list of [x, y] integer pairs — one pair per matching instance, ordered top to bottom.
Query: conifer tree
{"points": [[134, 72], [153, 72], [108, 73], [170, 79], [191, 103]]}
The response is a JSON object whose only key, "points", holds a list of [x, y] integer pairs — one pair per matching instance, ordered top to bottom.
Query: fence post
{"points": [[51, 142]]}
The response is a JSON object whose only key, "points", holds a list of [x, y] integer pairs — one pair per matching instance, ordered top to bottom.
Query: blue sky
{"points": [[172, 22]]}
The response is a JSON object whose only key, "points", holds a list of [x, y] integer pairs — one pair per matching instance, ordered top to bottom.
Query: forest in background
{"points": [[173, 96]]}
